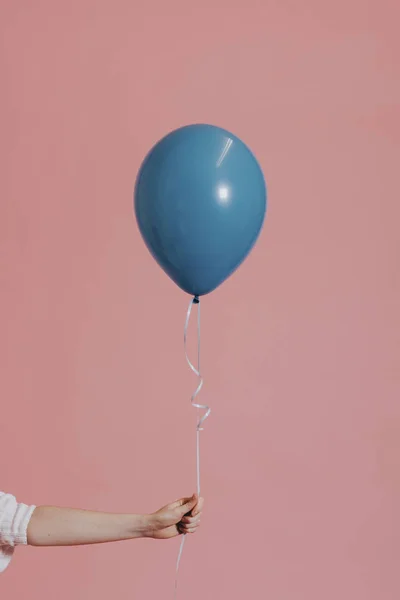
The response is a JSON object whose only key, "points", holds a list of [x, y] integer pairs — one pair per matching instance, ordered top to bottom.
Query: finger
{"points": [[183, 502], [179, 503], [186, 507], [198, 508], [191, 520], [188, 525], [189, 529], [186, 530]]}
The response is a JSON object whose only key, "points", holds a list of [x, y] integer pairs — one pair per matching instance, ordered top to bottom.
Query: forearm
{"points": [[52, 526]]}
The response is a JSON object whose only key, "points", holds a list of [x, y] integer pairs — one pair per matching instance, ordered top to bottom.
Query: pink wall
{"points": [[301, 347]]}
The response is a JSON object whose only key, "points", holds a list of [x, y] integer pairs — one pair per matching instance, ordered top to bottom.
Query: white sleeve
{"points": [[14, 520]]}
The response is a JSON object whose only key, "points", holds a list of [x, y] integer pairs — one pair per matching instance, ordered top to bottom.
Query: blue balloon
{"points": [[200, 203]]}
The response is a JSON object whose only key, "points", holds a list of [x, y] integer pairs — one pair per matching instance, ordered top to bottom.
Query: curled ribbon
{"points": [[203, 410]]}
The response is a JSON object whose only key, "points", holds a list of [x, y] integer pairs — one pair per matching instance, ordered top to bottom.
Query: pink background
{"points": [[301, 462]]}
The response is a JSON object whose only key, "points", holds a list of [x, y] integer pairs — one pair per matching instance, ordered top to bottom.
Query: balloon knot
{"points": [[196, 300]]}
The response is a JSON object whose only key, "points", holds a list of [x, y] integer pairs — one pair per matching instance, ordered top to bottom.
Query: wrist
{"points": [[140, 526]]}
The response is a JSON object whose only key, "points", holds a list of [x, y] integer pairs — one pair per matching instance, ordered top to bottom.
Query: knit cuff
{"points": [[14, 520]]}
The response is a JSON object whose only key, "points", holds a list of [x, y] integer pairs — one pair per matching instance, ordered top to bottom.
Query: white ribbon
{"points": [[202, 409]]}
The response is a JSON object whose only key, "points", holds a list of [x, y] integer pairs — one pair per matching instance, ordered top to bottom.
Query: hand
{"points": [[180, 517]]}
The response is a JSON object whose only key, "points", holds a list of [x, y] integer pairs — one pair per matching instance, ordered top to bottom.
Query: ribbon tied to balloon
{"points": [[200, 202]]}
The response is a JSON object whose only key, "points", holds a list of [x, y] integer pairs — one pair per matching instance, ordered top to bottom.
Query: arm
{"points": [[52, 526]]}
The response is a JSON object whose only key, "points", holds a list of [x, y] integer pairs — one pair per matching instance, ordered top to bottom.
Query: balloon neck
{"points": [[196, 300]]}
